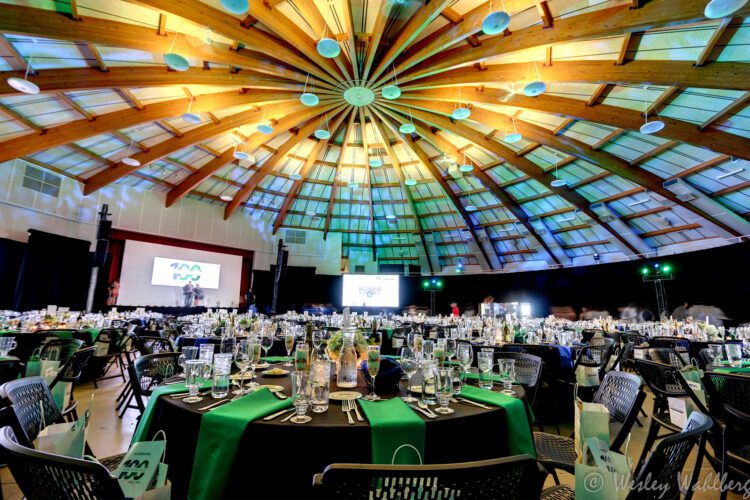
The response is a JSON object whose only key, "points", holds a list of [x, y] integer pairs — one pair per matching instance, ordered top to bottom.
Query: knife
{"points": [[468, 401], [420, 410], [277, 414]]}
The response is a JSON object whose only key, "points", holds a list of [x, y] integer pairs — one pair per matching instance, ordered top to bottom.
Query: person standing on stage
{"points": [[113, 291], [198, 293], [187, 294], [250, 301]]}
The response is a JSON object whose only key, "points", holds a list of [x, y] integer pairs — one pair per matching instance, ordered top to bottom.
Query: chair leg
{"points": [[653, 431], [696, 467], [554, 476]]}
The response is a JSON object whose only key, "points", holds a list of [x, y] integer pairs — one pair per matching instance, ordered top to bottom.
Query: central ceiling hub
{"points": [[359, 96]]}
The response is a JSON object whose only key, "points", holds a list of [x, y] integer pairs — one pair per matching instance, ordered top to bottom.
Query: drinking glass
{"points": [[289, 339], [317, 339], [410, 340], [266, 341], [7, 344], [418, 344], [228, 345], [428, 347], [450, 349], [254, 351], [439, 352], [188, 353], [717, 353], [206, 354], [734, 354], [465, 355], [242, 357], [302, 357], [484, 362], [409, 365], [373, 366], [507, 369], [221, 371], [194, 379], [458, 380], [429, 381], [320, 385], [444, 390], [301, 397]]}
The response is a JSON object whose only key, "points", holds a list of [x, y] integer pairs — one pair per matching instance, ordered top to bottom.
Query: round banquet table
{"points": [[278, 460]]}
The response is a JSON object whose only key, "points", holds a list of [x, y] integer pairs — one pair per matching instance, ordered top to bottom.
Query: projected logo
{"points": [[185, 272], [370, 291]]}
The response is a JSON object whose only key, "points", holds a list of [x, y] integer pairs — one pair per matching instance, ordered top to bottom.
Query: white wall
{"points": [[141, 210], [137, 265]]}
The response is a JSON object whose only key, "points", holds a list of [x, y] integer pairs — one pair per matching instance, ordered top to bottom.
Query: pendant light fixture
{"points": [[236, 6], [717, 9], [496, 21], [328, 47], [173, 59], [23, 84], [537, 87], [391, 91], [308, 98], [461, 112], [189, 116], [265, 126], [650, 127], [408, 128], [323, 133], [515, 136], [238, 153], [129, 160], [376, 162], [466, 166], [297, 174], [410, 182], [558, 182], [352, 183], [225, 196], [470, 207], [311, 213]]}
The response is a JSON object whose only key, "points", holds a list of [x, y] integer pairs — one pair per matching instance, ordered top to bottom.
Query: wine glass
{"points": [[289, 339], [317, 339], [266, 341], [428, 346], [450, 349], [254, 351], [439, 352], [188, 353], [465, 355], [242, 357], [409, 365], [373, 366], [507, 369], [194, 379], [444, 390], [301, 397]]}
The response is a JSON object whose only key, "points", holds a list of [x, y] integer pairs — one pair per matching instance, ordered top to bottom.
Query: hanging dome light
{"points": [[236, 6], [717, 9], [495, 23], [328, 47], [176, 62], [23, 85], [534, 89], [390, 92], [309, 99], [461, 113], [192, 118], [265, 127], [652, 127], [407, 128], [322, 134], [513, 138], [240, 155], [131, 162], [376, 162], [466, 167], [296, 176], [410, 182], [558, 183], [225, 197], [471, 208], [311, 213], [390, 216]]}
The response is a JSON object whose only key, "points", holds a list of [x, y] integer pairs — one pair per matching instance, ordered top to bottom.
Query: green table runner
{"points": [[94, 332], [388, 332], [276, 359], [729, 369], [475, 376], [393, 424], [141, 432], [220, 435], [520, 440]]}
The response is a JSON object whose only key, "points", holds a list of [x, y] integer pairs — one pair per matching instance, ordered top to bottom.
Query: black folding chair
{"points": [[114, 340], [666, 355], [149, 371]]}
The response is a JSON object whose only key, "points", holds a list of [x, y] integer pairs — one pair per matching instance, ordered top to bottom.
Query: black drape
{"points": [[11, 256], [55, 270]]}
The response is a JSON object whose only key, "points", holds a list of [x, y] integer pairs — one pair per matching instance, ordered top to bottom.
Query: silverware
{"points": [[187, 394], [280, 395], [468, 401], [212, 405], [347, 408], [427, 409], [356, 410], [420, 410], [277, 414], [289, 416]]}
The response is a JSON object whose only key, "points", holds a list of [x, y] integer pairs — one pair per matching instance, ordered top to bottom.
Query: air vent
{"points": [[40, 181], [295, 237]]}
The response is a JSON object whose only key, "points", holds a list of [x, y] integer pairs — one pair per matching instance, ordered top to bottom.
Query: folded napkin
{"points": [[388, 332], [276, 359], [730, 369], [475, 376], [388, 377], [393, 424], [517, 426], [141, 432], [219, 437]]}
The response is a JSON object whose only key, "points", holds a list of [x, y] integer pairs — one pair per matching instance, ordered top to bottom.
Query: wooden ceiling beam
{"points": [[313, 17], [381, 21], [608, 22], [720, 38], [12, 57], [665, 98], [739, 103], [77, 107], [290, 119], [26, 121], [106, 123], [345, 138], [722, 142], [653, 152], [368, 173], [668, 230]]}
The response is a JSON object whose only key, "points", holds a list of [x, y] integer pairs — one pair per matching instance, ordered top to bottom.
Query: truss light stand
{"points": [[658, 273]]}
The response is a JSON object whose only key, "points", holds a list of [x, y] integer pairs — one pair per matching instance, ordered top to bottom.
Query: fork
{"points": [[346, 407]]}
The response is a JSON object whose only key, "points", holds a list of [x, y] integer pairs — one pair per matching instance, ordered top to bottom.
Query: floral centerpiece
{"points": [[337, 340]]}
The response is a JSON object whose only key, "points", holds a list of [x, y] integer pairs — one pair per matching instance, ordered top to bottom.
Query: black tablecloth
{"points": [[278, 460]]}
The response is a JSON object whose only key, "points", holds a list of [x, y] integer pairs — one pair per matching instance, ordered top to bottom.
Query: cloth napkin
{"points": [[388, 332], [276, 359], [729, 369], [475, 376], [392, 424], [141, 432], [220, 434], [520, 440]]}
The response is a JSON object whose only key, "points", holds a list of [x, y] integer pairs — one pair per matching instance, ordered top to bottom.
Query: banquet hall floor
{"points": [[109, 435]]}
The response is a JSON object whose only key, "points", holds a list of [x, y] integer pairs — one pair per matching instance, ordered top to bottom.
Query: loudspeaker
{"points": [[105, 230], [100, 255]]}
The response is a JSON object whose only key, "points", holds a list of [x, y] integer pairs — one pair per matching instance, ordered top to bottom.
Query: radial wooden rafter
{"points": [[345, 139]]}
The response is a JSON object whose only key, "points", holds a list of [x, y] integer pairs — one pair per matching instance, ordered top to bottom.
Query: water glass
{"points": [[7, 344], [228, 345], [428, 348], [188, 353], [717, 353], [206, 354], [734, 354], [484, 362], [409, 365], [221, 371], [507, 375], [459, 377], [194, 379], [429, 382], [320, 385], [444, 390], [301, 397]]}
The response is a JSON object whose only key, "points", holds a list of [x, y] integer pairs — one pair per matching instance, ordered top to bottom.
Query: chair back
{"points": [[587, 335], [614, 336], [634, 338], [111, 339], [602, 341], [27, 343], [678, 343], [146, 344], [63, 349], [665, 355], [594, 357], [624, 357], [10, 369], [71, 371], [149, 371], [528, 371], [666, 381], [621, 393], [29, 397], [729, 399], [664, 465], [49, 476], [517, 477]]}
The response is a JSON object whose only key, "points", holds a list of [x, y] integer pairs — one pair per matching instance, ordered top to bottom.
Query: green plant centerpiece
{"points": [[337, 340]]}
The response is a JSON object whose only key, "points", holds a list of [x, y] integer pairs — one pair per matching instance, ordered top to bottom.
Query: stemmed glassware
{"points": [[317, 338], [289, 339], [266, 340], [428, 346], [450, 349], [254, 352], [439, 353], [465, 355], [242, 357], [302, 357], [409, 365], [373, 366], [507, 369], [193, 379], [444, 382], [301, 397]]}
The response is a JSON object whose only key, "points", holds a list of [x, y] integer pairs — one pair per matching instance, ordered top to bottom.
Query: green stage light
{"points": [[666, 268], [645, 271], [440, 283], [425, 284]]}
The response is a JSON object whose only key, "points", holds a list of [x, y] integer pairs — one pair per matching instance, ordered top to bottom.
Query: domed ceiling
{"points": [[580, 131]]}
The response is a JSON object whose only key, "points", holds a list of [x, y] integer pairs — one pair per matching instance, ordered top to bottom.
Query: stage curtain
{"points": [[11, 255], [55, 270]]}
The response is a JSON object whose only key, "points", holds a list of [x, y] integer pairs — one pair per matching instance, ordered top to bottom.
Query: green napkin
{"points": [[388, 332], [61, 335], [276, 359], [729, 369], [475, 376], [393, 424], [517, 426], [142, 430], [220, 434]]}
